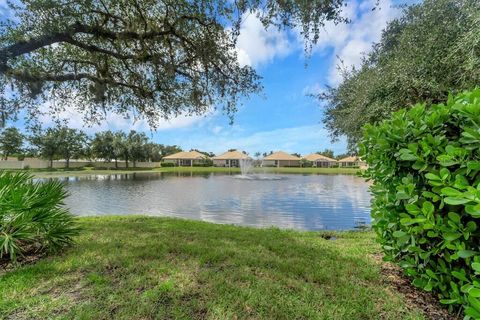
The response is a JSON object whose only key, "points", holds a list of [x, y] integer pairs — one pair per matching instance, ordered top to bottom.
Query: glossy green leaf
{"points": [[446, 160], [474, 165], [432, 176], [451, 192], [456, 201], [428, 208], [412, 209], [473, 210], [455, 217], [399, 234], [451, 236], [466, 253], [476, 266], [459, 275], [474, 292], [474, 302]]}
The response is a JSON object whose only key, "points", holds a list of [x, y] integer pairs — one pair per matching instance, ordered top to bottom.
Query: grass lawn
{"points": [[43, 173], [161, 268]]}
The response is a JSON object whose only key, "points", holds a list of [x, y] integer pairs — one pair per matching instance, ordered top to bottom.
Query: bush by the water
{"points": [[205, 163], [168, 164], [425, 166], [32, 216]]}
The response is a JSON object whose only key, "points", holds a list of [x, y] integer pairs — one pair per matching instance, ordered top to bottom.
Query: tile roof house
{"points": [[185, 158], [230, 159], [281, 159], [319, 160], [352, 162]]}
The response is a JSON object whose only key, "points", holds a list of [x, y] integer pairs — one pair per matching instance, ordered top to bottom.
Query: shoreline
{"points": [[49, 173]]}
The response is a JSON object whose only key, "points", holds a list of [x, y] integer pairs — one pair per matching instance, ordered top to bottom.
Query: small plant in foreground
{"points": [[425, 167], [32, 216]]}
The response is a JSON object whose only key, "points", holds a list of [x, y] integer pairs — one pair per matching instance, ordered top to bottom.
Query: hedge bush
{"points": [[167, 164], [424, 164]]}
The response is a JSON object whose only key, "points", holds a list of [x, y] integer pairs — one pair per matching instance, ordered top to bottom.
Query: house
{"points": [[184, 158], [230, 159], [281, 159], [321, 161], [352, 162]]}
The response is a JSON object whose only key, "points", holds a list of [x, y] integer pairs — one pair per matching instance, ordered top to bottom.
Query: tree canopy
{"points": [[431, 50], [150, 59], [11, 141], [48, 143], [61, 143], [65, 143], [73, 143], [102, 146], [327, 153]]}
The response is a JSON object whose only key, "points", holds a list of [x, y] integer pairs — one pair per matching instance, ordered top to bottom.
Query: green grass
{"points": [[87, 171], [159, 268]]}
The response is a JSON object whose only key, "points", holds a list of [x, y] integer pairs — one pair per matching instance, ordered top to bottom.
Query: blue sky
{"points": [[284, 117]]}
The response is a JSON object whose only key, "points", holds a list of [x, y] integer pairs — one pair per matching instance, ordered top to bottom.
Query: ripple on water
{"points": [[305, 202]]}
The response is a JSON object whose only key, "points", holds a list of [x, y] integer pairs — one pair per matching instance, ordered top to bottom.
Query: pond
{"points": [[303, 202]]}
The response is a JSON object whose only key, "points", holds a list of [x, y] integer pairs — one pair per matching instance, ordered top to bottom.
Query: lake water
{"points": [[304, 202]]}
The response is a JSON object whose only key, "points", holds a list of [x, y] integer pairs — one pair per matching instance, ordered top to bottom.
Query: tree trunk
{"points": [[51, 163], [116, 163], [67, 164]]}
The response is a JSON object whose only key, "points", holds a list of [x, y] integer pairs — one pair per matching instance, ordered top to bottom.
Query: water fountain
{"points": [[246, 166]]}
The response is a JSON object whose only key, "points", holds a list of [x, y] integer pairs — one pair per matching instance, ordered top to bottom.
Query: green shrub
{"points": [[204, 163], [306, 163], [167, 164], [425, 168], [32, 216]]}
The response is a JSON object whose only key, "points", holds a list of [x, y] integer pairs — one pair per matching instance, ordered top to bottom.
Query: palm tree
{"points": [[32, 215]]}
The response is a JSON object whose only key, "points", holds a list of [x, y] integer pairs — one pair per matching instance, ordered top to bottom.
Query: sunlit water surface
{"points": [[304, 202]]}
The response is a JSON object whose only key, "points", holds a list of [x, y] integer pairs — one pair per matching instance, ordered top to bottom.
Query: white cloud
{"points": [[4, 10], [350, 41], [256, 46], [314, 89], [115, 121], [217, 129]]}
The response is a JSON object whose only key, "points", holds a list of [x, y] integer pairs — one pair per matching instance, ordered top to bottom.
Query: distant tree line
{"points": [[67, 143], [108, 146], [207, 153]]}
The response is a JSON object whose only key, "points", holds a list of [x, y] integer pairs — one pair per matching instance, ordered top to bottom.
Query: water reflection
{"points": [[306, 202]]}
